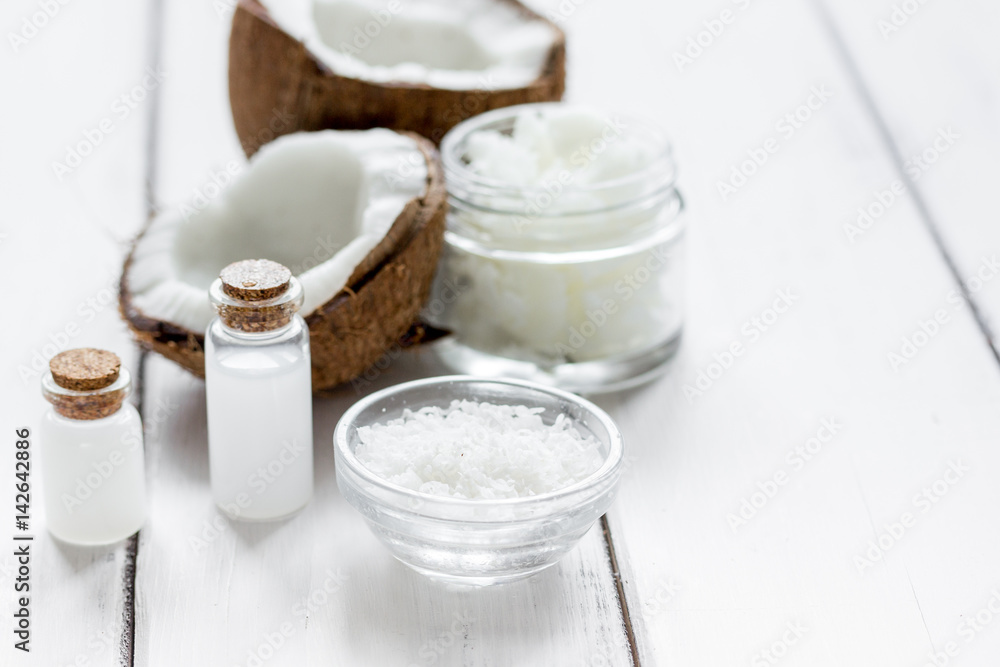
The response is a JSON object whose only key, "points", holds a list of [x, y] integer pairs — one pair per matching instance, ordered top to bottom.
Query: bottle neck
{"points": [[268, 317], [257, 336], [87, 405]]}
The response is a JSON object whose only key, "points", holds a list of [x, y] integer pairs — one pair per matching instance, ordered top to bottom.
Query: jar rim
{"points": [[462, 180]]}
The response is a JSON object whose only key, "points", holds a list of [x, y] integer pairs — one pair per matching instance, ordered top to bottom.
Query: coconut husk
{"points": [[277, 86], [356, 326]]}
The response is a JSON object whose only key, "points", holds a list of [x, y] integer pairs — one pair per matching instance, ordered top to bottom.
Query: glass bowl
{"points": [[475, 541]]}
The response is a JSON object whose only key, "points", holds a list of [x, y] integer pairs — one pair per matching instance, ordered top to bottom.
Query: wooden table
{"points": [[827, 497]]}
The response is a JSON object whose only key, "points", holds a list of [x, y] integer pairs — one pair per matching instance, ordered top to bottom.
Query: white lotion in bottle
{"points": [[259, 391], [91, 450]]}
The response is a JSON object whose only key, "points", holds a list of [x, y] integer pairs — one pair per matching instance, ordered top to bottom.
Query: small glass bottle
{"points": [[258, 380], [92, 458]]}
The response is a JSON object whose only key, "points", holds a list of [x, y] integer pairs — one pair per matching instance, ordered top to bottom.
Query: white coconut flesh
{"points": [[450, 44], [316, 202]]}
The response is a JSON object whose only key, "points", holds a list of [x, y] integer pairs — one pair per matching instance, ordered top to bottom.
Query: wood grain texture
{"points": [[932, 75], [61, 236], [319, 588], [702, 594]]}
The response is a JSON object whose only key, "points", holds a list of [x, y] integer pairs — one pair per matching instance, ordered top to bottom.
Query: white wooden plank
{"points": [[930, 67], [196, 139], [61, 248], [213, 591], [700, 593], [222, 604]]}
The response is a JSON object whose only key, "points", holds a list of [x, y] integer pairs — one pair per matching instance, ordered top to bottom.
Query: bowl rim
{"points": [[611, 465]]}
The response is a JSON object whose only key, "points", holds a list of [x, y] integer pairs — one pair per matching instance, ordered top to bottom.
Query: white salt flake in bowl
{"points": [[478, 450], [477, 481]]}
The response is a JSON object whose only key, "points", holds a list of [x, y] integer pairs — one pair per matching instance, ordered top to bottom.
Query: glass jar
{"points": [[570, 281], [258, 384], [92, 457]]}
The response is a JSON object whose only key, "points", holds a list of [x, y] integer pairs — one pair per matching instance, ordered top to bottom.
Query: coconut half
{"points": [[416, 65], [357, 216]]}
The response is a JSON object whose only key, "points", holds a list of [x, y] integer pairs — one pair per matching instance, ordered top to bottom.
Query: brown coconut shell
{"points": [[277, 86], [355, 327]]}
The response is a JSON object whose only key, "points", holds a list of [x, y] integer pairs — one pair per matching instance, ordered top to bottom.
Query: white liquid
{"points": [[259, 429], [94, 480]]}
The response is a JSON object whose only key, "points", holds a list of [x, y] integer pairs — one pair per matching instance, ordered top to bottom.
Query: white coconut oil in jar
{"points": [[563, 253], [259, 392]]}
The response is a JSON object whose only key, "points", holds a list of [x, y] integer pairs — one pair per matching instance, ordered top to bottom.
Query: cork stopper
{"points": [[255, 280], [256, 296], [85, 369], [86, 383]]}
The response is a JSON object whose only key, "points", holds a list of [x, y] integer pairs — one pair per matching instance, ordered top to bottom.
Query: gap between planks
{"points": [[896, 155], [620, 590], [126, 645]]}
